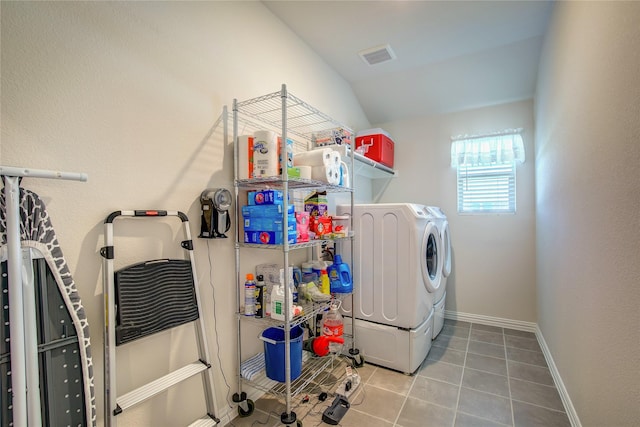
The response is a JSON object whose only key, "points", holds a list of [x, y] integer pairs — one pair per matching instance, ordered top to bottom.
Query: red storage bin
{"points": [[378, 146]]}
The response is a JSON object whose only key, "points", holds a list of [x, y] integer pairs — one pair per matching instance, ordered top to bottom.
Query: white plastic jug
{"points": [[277, 303]]}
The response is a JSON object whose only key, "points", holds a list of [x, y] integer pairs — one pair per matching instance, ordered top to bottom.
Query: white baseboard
{"points": [[491, 321], [529, 327], [562, 390]]}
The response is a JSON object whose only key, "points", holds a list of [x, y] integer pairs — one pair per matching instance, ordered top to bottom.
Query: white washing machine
{"points": [[445, 243], [397, 272]]}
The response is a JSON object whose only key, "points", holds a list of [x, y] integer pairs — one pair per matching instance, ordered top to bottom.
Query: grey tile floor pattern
{"points": [[474, 376]]}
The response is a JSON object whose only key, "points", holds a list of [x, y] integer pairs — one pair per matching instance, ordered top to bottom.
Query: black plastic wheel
{"points": [[358, 361], [247, 413], [299, 423]]}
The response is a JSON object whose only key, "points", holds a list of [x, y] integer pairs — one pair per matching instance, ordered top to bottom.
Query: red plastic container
{"points": [[378, 147]]}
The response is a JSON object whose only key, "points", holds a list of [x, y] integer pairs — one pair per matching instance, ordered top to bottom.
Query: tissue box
{"points": [[378, 146], [293, 172], [265, 197], [316, 204], [265, 211], [264, 224], [269, 224], [321, 225], [302, 226], [268, 237]]}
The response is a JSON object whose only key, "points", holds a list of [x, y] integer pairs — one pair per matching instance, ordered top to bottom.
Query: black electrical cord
{"points": [[215, 324]]}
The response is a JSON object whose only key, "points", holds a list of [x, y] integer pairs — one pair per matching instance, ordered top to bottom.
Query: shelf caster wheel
{"points": [[356, 358], [245, 406], [250, 407], [290, 419]]}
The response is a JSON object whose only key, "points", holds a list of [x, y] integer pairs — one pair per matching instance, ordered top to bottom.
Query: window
{"points": [[486, 171]]}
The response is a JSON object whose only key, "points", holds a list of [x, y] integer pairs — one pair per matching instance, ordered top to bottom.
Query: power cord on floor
{"points": [[215, 326], [332, 385], [316, 390], [362, 390]]}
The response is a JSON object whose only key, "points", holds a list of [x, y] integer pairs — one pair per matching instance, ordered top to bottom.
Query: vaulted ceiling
{"points": [[449, 55]]}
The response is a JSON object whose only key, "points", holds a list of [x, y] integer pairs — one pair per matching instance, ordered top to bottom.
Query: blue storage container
{"points": [[274, 352]]}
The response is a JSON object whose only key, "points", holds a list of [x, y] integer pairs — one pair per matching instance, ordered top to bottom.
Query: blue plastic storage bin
{"points": [[274, 352]]}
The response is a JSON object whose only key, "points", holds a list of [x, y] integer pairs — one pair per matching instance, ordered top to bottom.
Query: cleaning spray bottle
{"points": [[249, 296]]}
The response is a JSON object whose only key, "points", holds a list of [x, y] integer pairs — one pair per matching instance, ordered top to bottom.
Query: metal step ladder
{"points": [[144, 299]]}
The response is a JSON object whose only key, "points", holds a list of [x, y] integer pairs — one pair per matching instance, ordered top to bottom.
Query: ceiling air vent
{"points": [[377, 55]]}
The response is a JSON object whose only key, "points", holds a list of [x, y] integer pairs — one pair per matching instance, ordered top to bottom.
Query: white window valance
{"points": [[483, 150]]}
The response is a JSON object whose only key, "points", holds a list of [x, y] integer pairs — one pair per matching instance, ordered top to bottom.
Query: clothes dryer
{"points": [[445, 243], [396, 273]]}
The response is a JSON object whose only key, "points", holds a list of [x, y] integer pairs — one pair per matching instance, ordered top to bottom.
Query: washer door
{"points": [[446, 249], [431, 258]]}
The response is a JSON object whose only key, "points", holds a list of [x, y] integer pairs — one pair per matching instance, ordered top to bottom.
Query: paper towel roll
{"points": [[343, 150], [265, 153], [318, 157], [335, 159], [305, 172], [328, 174], [335, 175], [345, 180]]}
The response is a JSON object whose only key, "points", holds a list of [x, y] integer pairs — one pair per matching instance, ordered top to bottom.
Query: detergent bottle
{"points": [[340, 277], [325, 283], [333, 327]]}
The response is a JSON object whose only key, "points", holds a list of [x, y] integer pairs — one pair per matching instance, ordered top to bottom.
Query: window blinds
{"points": [[486, 172], [487, 189]]}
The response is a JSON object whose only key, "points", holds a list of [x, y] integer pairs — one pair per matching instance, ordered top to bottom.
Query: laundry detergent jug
{"points": [[340, 276]]}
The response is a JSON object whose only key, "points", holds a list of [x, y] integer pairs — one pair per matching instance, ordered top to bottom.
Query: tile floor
{"points": [[474, 376]]}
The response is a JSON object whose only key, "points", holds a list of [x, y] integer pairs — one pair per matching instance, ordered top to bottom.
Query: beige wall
{"points": [[128, 92], [588, 203], [493, 255]]}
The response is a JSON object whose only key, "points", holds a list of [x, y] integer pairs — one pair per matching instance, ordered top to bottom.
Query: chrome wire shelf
{"points": [[303, 120], [247, 126], [307, 127], [294, 184], [309, 244], [309, 310], [312, 367]]}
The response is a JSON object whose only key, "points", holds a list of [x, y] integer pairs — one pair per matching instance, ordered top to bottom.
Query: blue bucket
{"points": [[274, 352]]}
